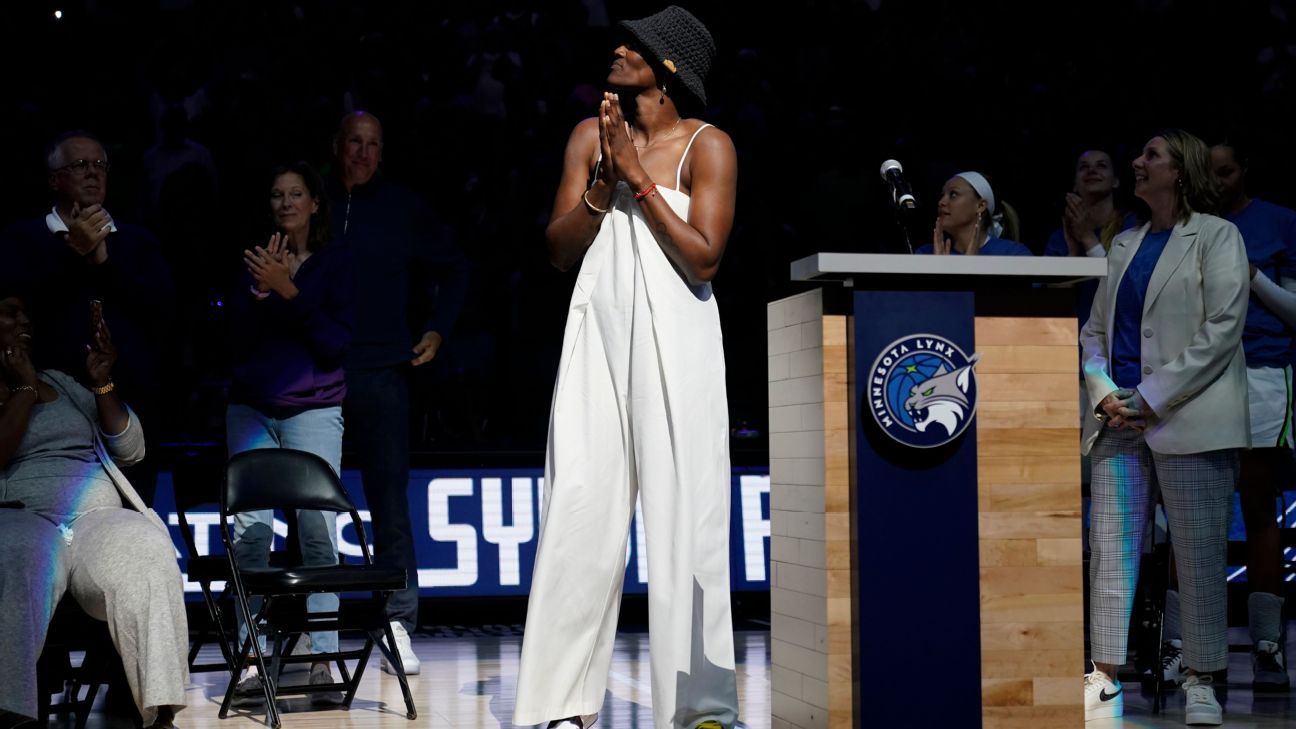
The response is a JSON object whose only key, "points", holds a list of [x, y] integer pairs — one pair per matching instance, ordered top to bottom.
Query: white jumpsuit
{"points": [[639, 409]]}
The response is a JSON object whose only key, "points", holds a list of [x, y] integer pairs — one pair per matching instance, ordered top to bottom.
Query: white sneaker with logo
{"points": [[409, 661], [1172, 666], [1104, 697], [1200, 706]]}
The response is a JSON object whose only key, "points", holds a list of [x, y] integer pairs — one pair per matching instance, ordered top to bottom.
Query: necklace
{"points": [[667, 135]]}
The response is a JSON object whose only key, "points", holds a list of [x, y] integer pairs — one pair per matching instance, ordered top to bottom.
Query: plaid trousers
{"points": [[1197, 489]]}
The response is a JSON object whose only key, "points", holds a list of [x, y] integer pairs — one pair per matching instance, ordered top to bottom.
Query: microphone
{"points": [[901, 196]]}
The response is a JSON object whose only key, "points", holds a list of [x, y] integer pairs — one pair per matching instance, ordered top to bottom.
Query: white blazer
{"points": [[1193, 370]]}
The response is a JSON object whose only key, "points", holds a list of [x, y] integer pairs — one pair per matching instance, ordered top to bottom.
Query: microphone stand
{"points": [[902, 216]]}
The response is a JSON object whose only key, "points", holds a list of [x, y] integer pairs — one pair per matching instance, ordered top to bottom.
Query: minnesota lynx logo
{"points": [[922, 390]]}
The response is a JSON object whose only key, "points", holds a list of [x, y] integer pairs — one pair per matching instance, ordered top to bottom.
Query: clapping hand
{"points": [[1075, 226], [88, 230], [273, 267]]}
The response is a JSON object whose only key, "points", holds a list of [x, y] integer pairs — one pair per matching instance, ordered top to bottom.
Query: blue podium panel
{"points": [[916, 504]]}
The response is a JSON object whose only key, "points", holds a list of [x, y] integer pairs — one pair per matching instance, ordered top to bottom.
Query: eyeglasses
{"points": [[82, 167]]}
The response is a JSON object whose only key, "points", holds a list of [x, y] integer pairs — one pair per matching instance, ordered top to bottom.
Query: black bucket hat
{"points": [[678, 42]]}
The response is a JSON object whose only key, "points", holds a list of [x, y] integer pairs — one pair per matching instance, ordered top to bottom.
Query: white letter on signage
{"points": [[756, 529], [507, 537], [464, 572]]}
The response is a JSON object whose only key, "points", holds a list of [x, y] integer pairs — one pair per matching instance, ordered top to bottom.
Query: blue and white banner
{"points": [[916, 469], [476, 530]]}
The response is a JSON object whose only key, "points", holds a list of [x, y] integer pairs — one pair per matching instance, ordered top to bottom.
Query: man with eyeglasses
{"points": [[59, 262]]}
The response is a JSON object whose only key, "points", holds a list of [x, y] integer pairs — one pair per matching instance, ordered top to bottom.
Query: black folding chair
{"points": [[284, 479], [197, 484], [71, 629]]}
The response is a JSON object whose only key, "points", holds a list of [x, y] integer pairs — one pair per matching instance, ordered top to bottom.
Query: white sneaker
{"points": [[303, 648], [409, 661], [1172, 666], [249, 691], [1104, 697], [1200, 706], [583, 721]]}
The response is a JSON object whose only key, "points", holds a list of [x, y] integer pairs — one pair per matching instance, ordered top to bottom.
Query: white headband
{"points": [[982, 187]]}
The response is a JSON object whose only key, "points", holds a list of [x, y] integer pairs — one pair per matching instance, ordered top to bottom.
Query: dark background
{"points": [[477, 100]]}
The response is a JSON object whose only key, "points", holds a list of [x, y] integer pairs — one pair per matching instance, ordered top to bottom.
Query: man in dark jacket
{"points": [[393, 237], [59, 262]]}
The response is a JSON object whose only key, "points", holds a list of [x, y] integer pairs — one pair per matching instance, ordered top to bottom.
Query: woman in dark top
{"points": [[292, 317]]}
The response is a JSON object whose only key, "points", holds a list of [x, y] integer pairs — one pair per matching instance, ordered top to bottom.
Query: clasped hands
{"points": [[620, 158], [87, 232], [273, 266], [1125, 409]]}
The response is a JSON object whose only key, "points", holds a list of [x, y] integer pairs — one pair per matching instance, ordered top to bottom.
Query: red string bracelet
{"points": [[646, 191]]}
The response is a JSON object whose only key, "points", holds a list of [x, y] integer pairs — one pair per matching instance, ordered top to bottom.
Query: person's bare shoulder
{"points": [[586, 130], [714, 141]]}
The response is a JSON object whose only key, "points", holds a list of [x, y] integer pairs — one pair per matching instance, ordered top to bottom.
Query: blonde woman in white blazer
{"points": [[1163, 358]]}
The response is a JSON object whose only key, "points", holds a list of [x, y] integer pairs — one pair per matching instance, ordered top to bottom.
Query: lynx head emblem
{"points": [[922, 390]]}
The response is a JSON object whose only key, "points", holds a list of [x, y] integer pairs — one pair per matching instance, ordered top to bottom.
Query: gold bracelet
{"points": [[591, 206], [105, 389]]}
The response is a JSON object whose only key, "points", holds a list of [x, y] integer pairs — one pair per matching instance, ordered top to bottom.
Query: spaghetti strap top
{"points": [[680, 167]]}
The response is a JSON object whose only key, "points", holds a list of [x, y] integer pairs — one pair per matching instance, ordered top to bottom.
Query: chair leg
{"points": [[218, 620], [213, 628], [388, 649], [237, 669], [269, 678], [1158, 679], [354, 681], [268, 683], [84, 707]]}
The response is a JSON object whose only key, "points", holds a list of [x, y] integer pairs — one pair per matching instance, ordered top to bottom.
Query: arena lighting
{"points": [[58, 14]]}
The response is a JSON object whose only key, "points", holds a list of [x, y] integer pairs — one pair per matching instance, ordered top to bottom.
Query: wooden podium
{"points": [[941, 576]]}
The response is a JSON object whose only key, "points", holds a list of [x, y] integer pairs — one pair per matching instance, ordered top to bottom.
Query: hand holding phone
{"points": [[96, 317]]}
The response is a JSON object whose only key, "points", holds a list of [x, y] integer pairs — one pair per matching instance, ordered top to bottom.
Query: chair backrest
{"points": [[282, 478], [196, 479]]}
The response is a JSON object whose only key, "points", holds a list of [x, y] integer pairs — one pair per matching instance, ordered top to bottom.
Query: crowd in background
{"points": [[197, 101]]}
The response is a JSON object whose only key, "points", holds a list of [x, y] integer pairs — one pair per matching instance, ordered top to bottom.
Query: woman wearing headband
{"points": [[644, 207], [969, 222], [1163, 359]]}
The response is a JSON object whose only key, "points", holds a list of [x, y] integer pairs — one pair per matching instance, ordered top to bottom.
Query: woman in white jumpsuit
{"points": [[639, 407]]}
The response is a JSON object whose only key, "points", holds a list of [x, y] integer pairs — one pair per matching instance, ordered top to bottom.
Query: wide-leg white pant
{"points": [[639, 411]]}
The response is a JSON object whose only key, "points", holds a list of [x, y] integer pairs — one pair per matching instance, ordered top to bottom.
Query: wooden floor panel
{"points": [[468, 683]]}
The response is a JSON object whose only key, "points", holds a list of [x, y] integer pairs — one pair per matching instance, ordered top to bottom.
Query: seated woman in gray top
{"points": [[71, 522]]}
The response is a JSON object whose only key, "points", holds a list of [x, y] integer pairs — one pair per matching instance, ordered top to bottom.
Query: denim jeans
{"points": [[317, 431]]}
